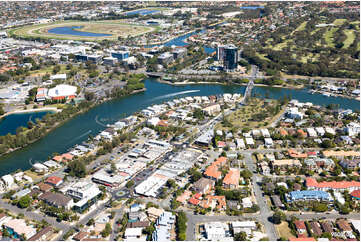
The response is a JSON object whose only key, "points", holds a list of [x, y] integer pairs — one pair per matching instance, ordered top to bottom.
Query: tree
{"points": [[56, 69], [4, 78], [89, 96], [2, 112], [30, 125], [327, 144], [77, 168], [246, 174], [195, 175], [171, 183], [129, 184], [24, 202], [320, 207], [344, 210], [277, 217], [90, 222], [181, 226], [107, 230], [326, 235], [241, 236]]}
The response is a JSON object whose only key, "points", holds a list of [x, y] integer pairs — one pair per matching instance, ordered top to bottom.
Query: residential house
{"points": [[212, 109], [283, 164], [350, 164], [212, 171], [231, 180], [312, 184], [203, 185], [44, 187], [355, 194], [307, 195], [56, 200], [277, 201], [213, 202], [154, 213], [344, 225], [300, 226], [327, 227], [18, 228], [316, 229], [216, 231], [133, 233], [42, 235]]}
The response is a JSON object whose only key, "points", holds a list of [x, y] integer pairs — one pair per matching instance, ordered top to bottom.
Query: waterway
{"points": [[142, 12], [72, 30], [180, 42], [10, 123], [80, 127]]}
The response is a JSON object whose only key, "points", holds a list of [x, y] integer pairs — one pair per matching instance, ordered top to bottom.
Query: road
{"points": [[265, 211], [34, 216]]}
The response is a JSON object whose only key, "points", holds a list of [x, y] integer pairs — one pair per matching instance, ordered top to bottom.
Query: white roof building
{"points": [[58, 77], [62, 90], [153, 121], [330, 130], [320, 131], [311, 132], [265, 133], [249, 141], [268, 142], [240, 143], [40, 167], [8, 180], [246, 202], [239, 226], [20, 227], [216, 231], [133, 233]]}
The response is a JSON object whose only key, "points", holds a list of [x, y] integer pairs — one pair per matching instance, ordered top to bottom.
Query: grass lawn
{"points": [[339, 21], [357, 24], [301, 27], [328, 35], [350, 38], [281, 45], [262, 56], [49, 70], [241, 117], [33, 175], [283, 230]]}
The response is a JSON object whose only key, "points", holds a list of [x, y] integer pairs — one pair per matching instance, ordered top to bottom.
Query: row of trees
{"points": [[181, 225]]}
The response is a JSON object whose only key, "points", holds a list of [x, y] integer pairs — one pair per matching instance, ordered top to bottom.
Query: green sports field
{"points": [[113, 27]]}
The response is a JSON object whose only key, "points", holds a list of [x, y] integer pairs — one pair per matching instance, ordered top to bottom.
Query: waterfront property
{"points": [[69, 134]]}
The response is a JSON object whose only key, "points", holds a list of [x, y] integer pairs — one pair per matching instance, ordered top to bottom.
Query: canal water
{"points": [[10, 123], [80, 127]]}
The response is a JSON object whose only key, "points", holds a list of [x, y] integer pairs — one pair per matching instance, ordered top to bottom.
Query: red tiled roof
{"points": [[221, 144], [296, 154], [212, 171], [232, 177], [53, 180], [311, 182], [356, 193], [197, 195], [194, 201], [300, 224], [303, 239]]}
